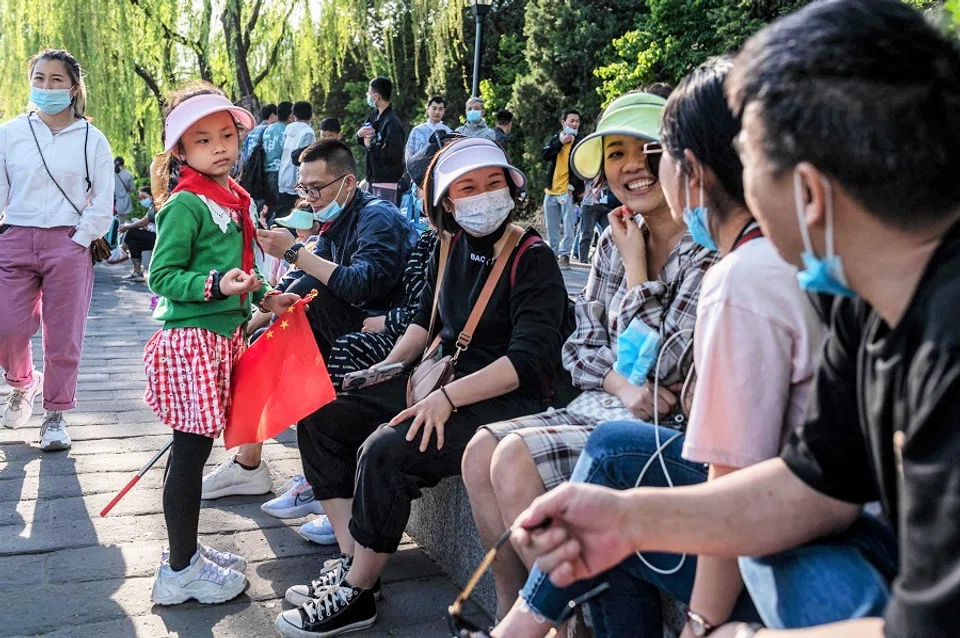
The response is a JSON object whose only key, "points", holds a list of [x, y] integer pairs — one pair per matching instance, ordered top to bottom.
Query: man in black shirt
{"points": [[383, 136], [850, 143]]}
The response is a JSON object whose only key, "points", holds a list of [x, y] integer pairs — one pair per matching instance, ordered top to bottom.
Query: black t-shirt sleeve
{"points": [[828, 452], [926, 595]]}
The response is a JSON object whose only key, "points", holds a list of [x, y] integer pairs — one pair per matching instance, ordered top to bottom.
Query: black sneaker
{"points": [[332, 575], [339, 610]]}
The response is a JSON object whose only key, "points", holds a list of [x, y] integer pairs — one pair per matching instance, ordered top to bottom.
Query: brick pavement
{"points": [[66, 572]]}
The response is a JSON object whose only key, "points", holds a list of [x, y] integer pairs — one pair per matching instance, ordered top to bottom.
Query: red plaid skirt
{"points": [[188, 377]]}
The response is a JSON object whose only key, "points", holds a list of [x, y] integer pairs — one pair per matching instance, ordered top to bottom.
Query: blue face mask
{"points": [[50, 101], [371, 102], [474, 116], [569, 130], [146, 203], [417, 208], [332, 210], [697, 222], [820, 275], [637, 350]]}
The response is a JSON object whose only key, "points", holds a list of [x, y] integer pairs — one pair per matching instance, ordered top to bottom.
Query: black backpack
{"points": [[254, 176]]}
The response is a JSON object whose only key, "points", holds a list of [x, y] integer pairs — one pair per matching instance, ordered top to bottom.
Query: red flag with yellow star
{"points": [[278, 381]]}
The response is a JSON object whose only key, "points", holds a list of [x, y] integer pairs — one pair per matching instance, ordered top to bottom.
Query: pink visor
{"points": [[195, 109], [469, 154]]}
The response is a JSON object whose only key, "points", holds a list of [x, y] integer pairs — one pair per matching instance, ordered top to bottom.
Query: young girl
{"points": [[203, 270]]}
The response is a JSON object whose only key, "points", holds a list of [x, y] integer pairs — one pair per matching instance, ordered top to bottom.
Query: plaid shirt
{"points": [[605, 307]]}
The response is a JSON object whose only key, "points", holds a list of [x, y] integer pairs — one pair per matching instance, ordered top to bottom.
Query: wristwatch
{"points": [[290, 256], [698, 624], [747, 630]]}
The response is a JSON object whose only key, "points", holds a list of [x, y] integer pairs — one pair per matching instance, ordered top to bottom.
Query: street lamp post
{"points": [[480, 10]]}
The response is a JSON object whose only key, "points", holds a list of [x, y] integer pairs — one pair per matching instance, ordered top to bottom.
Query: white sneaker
{"points": [[19, 404], [53, 433], [229, 479], [296, 501], [319, 531], [223, 559], [203, 580]]}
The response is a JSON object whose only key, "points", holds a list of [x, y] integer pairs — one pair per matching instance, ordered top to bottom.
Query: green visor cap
{"points": [[634, 115], [298, 220]]}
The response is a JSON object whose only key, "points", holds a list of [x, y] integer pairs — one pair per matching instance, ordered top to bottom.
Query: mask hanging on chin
{"points": [[50, 101], [332, 210], [480, 215], [697, 219], [818, 275]]}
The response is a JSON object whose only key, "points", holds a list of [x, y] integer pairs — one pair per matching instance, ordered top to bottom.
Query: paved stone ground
{"points": [[67, 572]]}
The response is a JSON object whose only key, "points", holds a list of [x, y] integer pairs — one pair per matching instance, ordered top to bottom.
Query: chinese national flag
{"points": [[278, 381]]}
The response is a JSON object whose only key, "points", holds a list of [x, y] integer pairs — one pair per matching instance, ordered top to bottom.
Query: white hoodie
{"points": [[28, 195]]}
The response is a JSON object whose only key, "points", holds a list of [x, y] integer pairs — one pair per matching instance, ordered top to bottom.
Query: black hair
{"points": [[383, 87], [660, 89], [869, 93], [437, 99], [79, 102], [284, 109], [267, 110], [303, 111], [570, 112], [504, 117], [697, 117], [330, 124], [334, 153], [117, 164], [146, 191], [437, 214]]}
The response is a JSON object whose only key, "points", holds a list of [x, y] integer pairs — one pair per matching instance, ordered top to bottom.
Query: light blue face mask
{"points": [[50, 101], [371, 102], [474, 116], [569, 130], [146, 202], [332, 210], [298, 220], [697, 221], [820, 275], [637, 350]]}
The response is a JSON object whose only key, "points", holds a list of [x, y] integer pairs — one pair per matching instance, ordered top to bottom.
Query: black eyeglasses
{"points": [[653, 152], [313, 192], [463, 628]]}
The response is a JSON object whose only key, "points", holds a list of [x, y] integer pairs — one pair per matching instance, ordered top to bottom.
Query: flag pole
{"points": [[133, 481]]}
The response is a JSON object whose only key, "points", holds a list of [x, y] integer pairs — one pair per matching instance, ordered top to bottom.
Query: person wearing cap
{"points": [[476, 126], [421, 133], [382, 136], [564, 189], [45, 241], [204, 272], [641, 292], [367, 474]]}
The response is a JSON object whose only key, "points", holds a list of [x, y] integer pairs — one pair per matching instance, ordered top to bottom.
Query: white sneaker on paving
{"points": [[19, 404], [53, 433], [229, 479], [296, 500], [319, 531], [223, 559], [203, 580]]}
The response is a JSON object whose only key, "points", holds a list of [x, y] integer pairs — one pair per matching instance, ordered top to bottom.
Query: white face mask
{"points": [[480, 215]]}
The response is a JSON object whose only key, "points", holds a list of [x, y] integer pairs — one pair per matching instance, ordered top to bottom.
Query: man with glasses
{"points": [[363, 246]]}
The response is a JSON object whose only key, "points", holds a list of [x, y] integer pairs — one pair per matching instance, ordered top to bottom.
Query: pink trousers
{"points": [[44, 275]]}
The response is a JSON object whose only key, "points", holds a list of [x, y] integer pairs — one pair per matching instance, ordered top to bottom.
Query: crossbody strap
{"points": [[86, 165], [445, 241], [466, 335]]}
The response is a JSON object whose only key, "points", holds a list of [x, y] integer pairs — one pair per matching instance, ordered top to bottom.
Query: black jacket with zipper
{"points": [[384, 163]]}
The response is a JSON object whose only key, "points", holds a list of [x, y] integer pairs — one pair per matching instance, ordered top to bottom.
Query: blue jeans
{"points": [[557, 213], [614, 457], [835, 578]]}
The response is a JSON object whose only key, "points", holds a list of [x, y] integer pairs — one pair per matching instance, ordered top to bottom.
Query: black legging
{"points": [[139, 240], [181, 495]]}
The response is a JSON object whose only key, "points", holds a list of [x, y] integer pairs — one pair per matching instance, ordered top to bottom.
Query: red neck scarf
{"points": [[235, 198]]}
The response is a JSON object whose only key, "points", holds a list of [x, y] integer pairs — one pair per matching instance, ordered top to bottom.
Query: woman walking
{"points": [[56, 188]]}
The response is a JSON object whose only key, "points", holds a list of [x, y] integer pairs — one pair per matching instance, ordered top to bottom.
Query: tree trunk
{"points": [[237, 52]]}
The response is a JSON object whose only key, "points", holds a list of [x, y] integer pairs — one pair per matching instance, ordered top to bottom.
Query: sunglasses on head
{"points": [[463, 628]]}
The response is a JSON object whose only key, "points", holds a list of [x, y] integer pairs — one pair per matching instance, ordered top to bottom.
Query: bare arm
{"points": [[409, 347], [494, 380], [860, 628]]}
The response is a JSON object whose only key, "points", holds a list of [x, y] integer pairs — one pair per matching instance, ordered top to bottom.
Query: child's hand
{"points": [[237, 282]]}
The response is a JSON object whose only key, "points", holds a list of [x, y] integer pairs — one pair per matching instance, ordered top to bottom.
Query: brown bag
{"points": [[99, 250], [435, 371]]}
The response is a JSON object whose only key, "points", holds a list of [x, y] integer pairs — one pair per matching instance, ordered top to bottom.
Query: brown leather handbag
{"points": [[434, 371]]}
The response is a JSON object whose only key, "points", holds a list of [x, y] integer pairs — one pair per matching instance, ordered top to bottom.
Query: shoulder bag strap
{"points": [[46, 168], [445, 241], [463, 341]]}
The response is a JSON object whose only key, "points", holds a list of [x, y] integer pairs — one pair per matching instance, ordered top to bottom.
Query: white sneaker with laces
{"points": [[19, 403], [53, 432], [229, 479], [296, 500], [319, 531], [223, 559], [332, 575], [203, 580]]}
